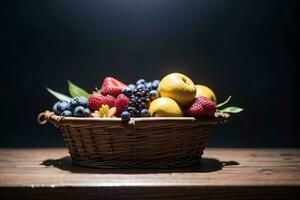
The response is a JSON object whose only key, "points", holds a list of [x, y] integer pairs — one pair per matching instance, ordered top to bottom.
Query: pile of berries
{"points": [[140, 96], [77, 107]]}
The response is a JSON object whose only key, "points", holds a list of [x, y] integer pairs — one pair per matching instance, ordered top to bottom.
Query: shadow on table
{"points": [[206, 165]]}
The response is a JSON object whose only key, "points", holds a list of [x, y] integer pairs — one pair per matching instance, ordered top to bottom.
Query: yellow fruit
{"points": [[178, 87], [205, 91], [165, 107]]}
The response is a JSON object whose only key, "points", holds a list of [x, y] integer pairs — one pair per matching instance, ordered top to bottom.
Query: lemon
{"points": [[178, 87], [205, 91], [165, 107]]}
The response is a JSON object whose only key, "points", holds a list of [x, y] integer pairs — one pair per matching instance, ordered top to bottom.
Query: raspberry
{"points": [[97, 100], [121, 103], [201, 106]]}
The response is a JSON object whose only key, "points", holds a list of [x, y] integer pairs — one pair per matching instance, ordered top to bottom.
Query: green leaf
{"points": [[76, 91], [58, 95], [222, 104], [232, 110]]}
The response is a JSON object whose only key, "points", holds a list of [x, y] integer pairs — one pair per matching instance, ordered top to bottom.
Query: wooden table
{"points": [[223, 174]]}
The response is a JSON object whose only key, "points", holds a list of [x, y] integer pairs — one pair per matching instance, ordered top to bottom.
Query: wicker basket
{"points": [[152, 142]]}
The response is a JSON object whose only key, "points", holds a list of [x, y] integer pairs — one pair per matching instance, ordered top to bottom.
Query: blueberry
{"points": [[141, 81], [155, 84], [149, 85], [132, 86], [140, 86], [127, 91], [153, 94], [78, 101], [83, 101], [74, 103], [62, 106], [55, 108], [79, 111], [87, 112], [67, 113], [144, 113], [125, 115]]}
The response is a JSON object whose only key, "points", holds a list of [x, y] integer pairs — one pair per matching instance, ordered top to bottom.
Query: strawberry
{"points": [[110, 81], [111, 86], [113, 91], [97, 100], [121, 103], [208, 105], [201, 106], [195, 110]]}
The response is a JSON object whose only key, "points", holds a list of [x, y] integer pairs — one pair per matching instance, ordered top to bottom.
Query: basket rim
{"points": [[46, 116]]}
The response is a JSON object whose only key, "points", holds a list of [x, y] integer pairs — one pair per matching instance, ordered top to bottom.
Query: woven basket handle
{"points": [[47, 116]]}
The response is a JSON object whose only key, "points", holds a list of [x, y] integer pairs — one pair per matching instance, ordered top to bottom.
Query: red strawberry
{"points": [[110, 81], [112, 87], [113, 91], [97, 100], [121, 103], [208, 105], [201, 106], [195, 110]]}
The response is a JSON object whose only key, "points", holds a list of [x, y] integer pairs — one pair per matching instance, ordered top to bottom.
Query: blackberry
{"points": [[138, 101]]}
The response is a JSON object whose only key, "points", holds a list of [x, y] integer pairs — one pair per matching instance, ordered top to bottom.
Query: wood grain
{"points": [[222, 174]]}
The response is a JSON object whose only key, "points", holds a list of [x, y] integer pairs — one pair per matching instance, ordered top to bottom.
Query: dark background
{"points": [[246, 49]]}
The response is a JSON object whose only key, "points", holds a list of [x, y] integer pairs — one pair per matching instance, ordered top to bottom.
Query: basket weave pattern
{"points": [[141, 142]]}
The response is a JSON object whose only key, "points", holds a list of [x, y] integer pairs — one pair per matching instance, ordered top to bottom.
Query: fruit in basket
{"points": [[141, 82], [155, 84], [149, 85], [112, 86], [132, 86], [178, 87], [128, 91], [205, 91], [153, 94], [96, 100], [78, 101], [138, 101], [121, 104], [60, 106], [201, 106], [165, 107], [54, 108], [195, 110], [79, 111], [87, 112], [67, 113], [144, 113], [125, 115]]}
